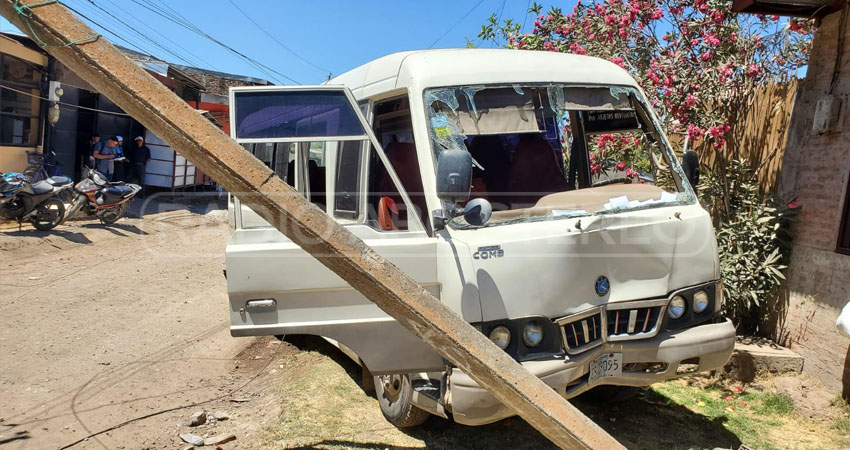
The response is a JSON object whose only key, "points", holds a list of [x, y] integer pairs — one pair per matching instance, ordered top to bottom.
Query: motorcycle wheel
{"points": [[48, 214], [111, 215]]}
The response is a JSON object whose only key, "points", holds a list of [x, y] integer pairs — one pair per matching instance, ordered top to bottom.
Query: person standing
{"points": [[89, 151], [104, 154], [139, 158], [120, 165]]}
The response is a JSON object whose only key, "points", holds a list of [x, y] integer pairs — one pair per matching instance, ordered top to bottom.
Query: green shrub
{"points": [[754, 242]]}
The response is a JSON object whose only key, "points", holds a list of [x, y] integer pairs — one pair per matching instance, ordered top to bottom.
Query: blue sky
{"points": [[333, 35]]}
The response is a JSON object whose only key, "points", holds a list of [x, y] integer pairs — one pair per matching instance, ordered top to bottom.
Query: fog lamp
{"points": [[700, 301], [676, 308], [532, 334], [501, 336]]}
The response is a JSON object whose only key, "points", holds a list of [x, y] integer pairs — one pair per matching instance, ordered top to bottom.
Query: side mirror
{"points": [[690, 164], [454, 175], [477, 212]]}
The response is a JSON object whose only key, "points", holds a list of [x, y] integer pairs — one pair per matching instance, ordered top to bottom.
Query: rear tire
{"points": [[48, 214], [111, 215], [395, 394]]}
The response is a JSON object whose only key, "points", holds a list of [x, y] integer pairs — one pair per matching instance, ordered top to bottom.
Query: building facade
{"points": [[28, 76], [815, 172]]}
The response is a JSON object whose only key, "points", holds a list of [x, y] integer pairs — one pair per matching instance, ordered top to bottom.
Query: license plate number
{"points": [[607, 365]]}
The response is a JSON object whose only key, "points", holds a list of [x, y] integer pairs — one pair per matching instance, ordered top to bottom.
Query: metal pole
{"points": [[110, 72]]}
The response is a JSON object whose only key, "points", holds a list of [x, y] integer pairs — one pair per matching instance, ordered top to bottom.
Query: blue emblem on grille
{"points": [[602, 286]]}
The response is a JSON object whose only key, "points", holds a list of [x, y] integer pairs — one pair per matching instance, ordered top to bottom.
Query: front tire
{"points": [[48, 214], [112, 214], [395, 394]]}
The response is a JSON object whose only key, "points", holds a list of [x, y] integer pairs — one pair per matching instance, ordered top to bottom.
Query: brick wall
{"points": [[815, 171]]}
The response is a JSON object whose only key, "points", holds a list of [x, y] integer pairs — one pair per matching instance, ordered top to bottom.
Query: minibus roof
{"points": [[421, 69]]}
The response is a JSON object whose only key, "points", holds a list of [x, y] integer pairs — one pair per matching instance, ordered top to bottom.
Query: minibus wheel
{"points": [[395, 394]]}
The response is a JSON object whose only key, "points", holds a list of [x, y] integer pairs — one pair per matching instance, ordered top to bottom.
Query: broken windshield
{"points": [[543, 152]]}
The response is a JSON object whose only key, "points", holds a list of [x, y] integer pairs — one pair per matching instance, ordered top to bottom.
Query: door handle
{"points": [[263, 303]]}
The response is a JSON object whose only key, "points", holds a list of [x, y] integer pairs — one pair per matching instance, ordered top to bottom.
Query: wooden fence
{"points": [[758, 134]]}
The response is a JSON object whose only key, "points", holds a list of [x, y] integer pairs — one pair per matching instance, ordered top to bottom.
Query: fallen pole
{"points": [[94, 59]]}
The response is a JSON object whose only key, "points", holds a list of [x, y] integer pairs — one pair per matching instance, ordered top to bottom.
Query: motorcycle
{"points": [[101, 198], [39, 203]]}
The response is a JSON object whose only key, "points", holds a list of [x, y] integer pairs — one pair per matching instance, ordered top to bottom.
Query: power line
{"points": [[175, 17], [94, 22], [456, 23], [260, 27], [142, 35], [203, 61], [3, 86]]}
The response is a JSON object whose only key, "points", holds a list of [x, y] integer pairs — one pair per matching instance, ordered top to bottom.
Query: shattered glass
{"points": [[463, 117]]}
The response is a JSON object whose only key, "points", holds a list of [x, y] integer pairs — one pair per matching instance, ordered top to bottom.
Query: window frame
{"points": [[34, 92], [415, 222], [844, 224]]}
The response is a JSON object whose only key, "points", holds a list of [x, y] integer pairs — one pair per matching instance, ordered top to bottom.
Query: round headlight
{"points": [[700, 301], [676, 308], [532, 334], [501, 336]]}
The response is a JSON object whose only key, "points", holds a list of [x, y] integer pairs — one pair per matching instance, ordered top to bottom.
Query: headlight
{"points": [[718, 296], [700, 301], [676, 308], [532, 334], [501, 336]]}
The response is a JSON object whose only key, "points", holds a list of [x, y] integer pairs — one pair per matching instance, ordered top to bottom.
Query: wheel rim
{"points": [[49, 213], [114, 213], [392, 386]]}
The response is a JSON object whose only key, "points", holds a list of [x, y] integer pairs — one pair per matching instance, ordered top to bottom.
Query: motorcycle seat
{"points": [[59, 181], [42, 187], [119, 191]]}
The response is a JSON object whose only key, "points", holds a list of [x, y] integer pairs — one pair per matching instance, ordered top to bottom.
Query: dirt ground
{"points": [[101, 325], [112, 337]]}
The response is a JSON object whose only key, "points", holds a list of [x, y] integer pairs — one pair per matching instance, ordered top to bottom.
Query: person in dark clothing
{"points": [[93, 142], [139, 157]]}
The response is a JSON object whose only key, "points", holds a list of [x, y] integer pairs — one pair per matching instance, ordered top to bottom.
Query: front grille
{"points": [[635, 322], [582, 332]]}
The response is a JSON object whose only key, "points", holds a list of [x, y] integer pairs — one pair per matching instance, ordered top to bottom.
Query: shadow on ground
{"points": [[70, 236], [648, 421]]}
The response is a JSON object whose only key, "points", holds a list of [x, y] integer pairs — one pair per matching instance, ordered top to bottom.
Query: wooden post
{"points": [[110, 72]]}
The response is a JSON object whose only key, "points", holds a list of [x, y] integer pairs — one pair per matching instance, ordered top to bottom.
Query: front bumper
{"points": [[710, 344]]}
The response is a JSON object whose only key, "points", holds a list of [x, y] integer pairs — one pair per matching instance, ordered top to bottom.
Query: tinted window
{"points": [[295, 114]]}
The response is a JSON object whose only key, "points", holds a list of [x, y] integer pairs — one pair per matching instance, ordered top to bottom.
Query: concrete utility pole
{"points": [[68, 39]]}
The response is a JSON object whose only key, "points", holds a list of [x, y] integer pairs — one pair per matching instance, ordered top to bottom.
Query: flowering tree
{"points": [[694, 58], [698, 64]]}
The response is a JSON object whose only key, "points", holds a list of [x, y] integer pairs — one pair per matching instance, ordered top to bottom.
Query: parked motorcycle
{"points": [[98, 197], [39, 203]]}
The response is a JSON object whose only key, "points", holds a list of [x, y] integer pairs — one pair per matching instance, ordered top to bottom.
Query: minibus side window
{"points": [[347, 191], [386, 210]]}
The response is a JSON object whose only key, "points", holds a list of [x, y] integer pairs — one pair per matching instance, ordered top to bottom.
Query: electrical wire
{"points": [[175, 17], [456, 24], [260, 27], [103, 28], [144, 36], [190, 53], [69, 105], [177, 408]]}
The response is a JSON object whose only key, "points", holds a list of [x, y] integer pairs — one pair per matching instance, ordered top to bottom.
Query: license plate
{"points": [[606, 365]]}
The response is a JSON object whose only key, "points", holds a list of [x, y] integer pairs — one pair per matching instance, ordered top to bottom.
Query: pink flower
{"points": [[623, 33], [705, 56], [618, 61], [621, 166], [595, 169], [631, 173]]}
